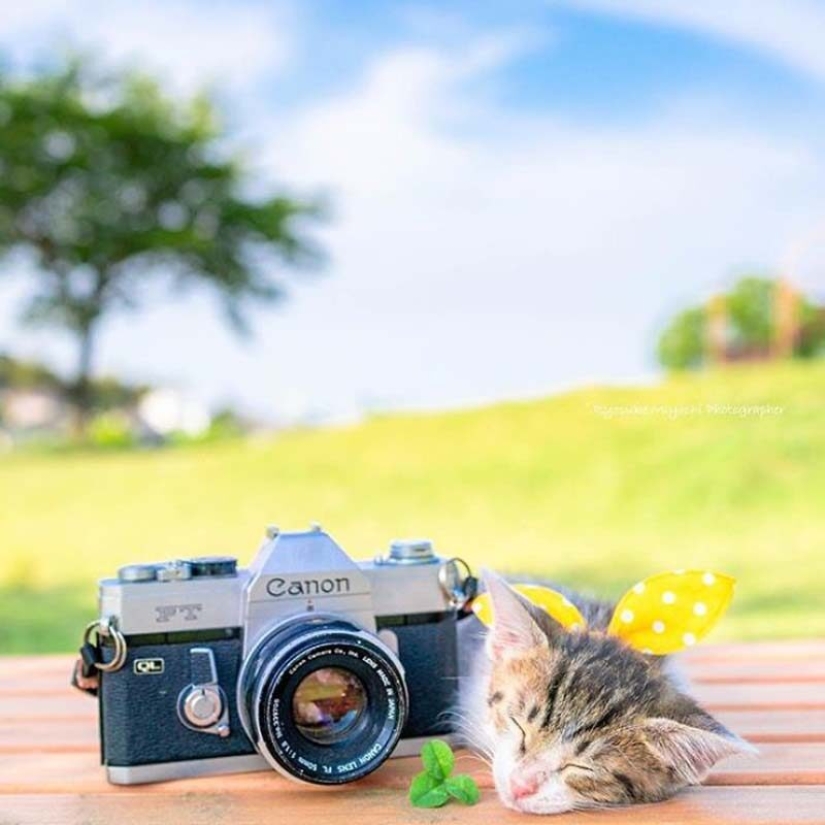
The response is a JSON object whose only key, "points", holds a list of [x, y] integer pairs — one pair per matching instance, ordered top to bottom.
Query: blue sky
{"points": [[522, 192]]}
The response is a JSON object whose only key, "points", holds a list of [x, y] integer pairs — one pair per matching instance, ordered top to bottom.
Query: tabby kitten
{"points": [[577, 719]]}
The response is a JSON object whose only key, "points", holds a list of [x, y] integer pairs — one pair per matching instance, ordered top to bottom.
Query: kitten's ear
{"points": [[514, 629], [692, 750]]}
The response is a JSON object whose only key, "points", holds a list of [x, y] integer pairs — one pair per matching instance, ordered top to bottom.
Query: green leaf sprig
{"points": [[436, 785]]}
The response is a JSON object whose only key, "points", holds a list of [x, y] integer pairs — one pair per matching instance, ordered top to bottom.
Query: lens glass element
{"points": [[323, 699], [328, 704]]}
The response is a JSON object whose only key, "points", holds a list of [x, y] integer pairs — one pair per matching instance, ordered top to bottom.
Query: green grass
{"points": [[555, 487]]}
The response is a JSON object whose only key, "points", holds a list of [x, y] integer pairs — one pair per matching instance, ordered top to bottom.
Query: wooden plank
{"points": [[781, 649], [34, 665], [757, 670], [768, 671], [35, 673], [721, 690], [761, 695], [69, 704], [72, 704], [776, 725], [79, 733], [22, 735], [775, 764], [49, 769], [56, 773], [375, 806]]}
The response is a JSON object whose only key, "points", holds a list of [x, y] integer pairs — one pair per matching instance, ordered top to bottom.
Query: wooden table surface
{"points": [[771, 693]]}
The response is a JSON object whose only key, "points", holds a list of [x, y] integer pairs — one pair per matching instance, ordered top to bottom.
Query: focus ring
{"points": [[284, 661]]}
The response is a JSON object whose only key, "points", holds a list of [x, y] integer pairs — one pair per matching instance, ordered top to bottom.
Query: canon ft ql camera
{"points": [[308, 662]]}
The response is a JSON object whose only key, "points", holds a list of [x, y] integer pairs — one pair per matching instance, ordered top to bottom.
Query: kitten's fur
{"points": [[578, 719]]}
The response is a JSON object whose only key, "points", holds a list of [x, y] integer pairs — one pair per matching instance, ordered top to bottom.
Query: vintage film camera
{"points": [[309, 662]]}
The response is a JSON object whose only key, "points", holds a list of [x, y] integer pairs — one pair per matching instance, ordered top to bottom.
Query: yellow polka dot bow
{"points": [[663, 614]]}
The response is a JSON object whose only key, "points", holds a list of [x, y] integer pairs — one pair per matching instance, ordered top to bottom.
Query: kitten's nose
{"points": [[525, 782]]}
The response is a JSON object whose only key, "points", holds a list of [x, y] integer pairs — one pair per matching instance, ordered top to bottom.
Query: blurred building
{"points": [[28, 411], [165, 411]]}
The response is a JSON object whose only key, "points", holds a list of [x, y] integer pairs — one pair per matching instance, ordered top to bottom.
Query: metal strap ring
{"points": [[452, 581], [108, 629]]}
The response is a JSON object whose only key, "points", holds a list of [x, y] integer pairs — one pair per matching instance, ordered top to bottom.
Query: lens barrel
{"points": [[323, 700]]}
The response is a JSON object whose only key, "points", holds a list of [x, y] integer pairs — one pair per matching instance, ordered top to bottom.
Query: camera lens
{"points": [[322, 700], [328, 704]]}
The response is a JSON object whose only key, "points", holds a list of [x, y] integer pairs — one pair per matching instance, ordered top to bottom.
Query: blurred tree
{"points": [[107, 182], [750, 306], [750, 327], [811, 341], [682, 344]]}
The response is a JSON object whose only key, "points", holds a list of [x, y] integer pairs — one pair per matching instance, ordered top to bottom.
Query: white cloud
{"points": [[788, 30], [188, 43], [479, 252], [471, 262]]}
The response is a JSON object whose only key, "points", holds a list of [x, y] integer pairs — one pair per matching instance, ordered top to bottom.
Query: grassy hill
{"points": [[596, 488]]}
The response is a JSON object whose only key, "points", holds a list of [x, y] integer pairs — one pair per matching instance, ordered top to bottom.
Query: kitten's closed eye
{"points": [[522, 734], [577, 767]]}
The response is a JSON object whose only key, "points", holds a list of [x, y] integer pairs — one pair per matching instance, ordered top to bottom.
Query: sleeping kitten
{"points": [[574, 720]]}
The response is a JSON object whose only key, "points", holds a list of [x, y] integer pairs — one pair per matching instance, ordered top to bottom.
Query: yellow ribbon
{"points": [[662, 614]]}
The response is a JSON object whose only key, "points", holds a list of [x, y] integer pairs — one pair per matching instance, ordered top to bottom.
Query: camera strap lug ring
{"points": [[457, 582], [106, 627]]}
